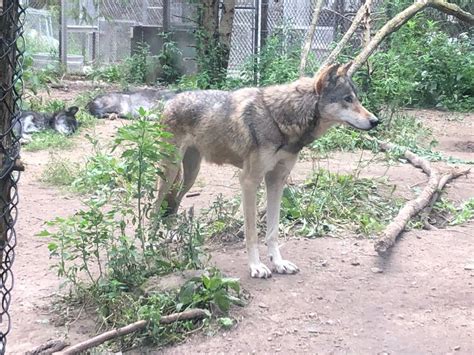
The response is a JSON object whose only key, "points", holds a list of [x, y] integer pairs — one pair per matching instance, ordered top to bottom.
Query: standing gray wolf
{"points": [[127, 104], [63, 121], [261, 131]]}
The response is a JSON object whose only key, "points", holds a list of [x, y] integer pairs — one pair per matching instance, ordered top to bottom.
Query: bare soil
{"points": [[346, 299]]}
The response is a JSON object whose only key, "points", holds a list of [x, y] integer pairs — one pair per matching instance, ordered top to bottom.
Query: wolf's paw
{"points": [[285, 267], [260, 270]]}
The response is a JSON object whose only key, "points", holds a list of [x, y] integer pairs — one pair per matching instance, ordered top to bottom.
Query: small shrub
{"points": [[422, 67], [60, 171], [107, 249]]}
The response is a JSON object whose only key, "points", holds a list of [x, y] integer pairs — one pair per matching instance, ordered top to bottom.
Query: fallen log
{"points": [[436, 182], [131, 328]]}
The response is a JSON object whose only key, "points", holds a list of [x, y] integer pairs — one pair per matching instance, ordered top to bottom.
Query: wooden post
{"points": [[63, 35]]}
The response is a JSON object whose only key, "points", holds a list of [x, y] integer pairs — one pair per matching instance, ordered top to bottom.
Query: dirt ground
{"points": [[420, 301]]}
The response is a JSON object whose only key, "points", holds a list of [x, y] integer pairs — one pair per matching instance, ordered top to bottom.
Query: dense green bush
{"points": [[422, 67]]}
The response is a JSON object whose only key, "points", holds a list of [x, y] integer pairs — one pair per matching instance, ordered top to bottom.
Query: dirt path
{"points": [[422, 302]]}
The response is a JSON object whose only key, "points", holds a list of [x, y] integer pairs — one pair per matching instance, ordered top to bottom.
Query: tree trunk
{"points": [[225, 30], [309, 36], [214, 38]]}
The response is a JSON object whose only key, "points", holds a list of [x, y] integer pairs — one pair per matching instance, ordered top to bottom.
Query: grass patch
{"points": [[48, 140], [60, 171], [329, 203], [446, 213]]}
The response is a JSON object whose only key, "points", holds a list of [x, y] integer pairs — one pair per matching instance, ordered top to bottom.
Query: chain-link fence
{"points": [[102, 31], [11, 55]]}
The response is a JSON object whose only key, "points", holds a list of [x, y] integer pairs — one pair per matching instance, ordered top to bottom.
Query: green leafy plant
{"points": [[167, 59], [422, 67], [49, 140], [60, 171], [329, 202], [446, 213], [108, 249], [213, 289]]}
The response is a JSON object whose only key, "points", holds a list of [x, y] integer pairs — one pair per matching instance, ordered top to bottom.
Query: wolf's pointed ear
{"points": [[342, 70], [323, 76], [72, 110]]}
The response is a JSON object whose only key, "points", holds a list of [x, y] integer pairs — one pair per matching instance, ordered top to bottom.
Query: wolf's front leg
{"points": [[275, 182], [249, 186]]}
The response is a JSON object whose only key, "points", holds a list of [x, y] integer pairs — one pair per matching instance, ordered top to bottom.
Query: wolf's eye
{"points": [[348, 99]]}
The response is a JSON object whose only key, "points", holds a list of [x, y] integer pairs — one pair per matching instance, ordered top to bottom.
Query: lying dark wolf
{"points": [[127, 104], [63, 121], [261, 131]]}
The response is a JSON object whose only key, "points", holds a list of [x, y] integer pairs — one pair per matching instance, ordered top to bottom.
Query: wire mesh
{"points": [[11, 56]]}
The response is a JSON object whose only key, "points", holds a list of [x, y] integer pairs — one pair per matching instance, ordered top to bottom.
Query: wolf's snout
{"points": [[374, 121]]}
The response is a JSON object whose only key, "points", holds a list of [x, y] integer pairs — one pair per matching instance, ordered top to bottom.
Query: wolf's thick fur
{"points": [[127, 104], [63, 121], [261, 131]]}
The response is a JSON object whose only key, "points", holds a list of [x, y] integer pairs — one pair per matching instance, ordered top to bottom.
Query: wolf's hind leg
{"points": [[171, 173], [275, 182], [181, 186]]}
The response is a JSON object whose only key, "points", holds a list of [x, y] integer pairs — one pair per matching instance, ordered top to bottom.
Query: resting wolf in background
{"points": [[127, 104], [63, 121], [261, 131]]}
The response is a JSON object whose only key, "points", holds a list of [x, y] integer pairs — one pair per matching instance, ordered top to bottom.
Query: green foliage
{"points": [[167, 59], [278, 62], [142, 67], [422, 67], [132, 70], [35, 79], [39, 104], [403, 130], [48, 140], [60, 171], [102, 171], [329, 202], [448, 213], [222, 217], [107, 249], [212, 290]]}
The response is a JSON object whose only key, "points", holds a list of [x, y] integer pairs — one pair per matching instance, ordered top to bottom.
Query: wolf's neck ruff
{"points": [[298, 127]]}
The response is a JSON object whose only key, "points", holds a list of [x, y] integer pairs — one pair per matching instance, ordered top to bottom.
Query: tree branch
{"points": [[453, 10], [348, 35], [309, 36], [435, 183], [101, 338]]}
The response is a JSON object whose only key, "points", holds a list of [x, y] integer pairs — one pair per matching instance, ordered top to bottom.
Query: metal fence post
{"points": [[63, 35], [11, 55]]}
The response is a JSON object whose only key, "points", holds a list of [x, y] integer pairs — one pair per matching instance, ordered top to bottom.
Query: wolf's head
{"points": [[338, 102], [65, 121]]}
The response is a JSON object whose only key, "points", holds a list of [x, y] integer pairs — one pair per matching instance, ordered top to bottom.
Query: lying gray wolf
{"points": [[127, 104], [28, 122], [261, 131]]}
